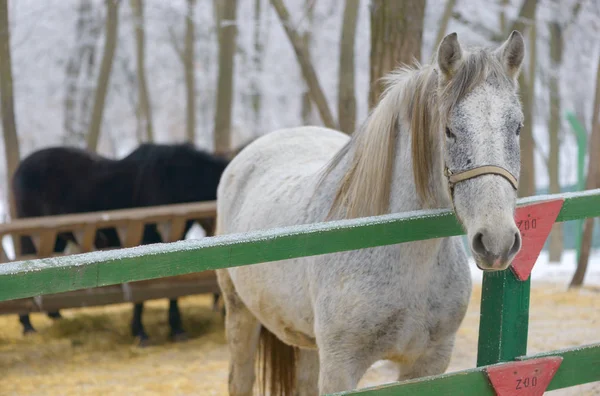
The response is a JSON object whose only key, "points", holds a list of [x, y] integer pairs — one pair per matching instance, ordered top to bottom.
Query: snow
{"points": [[555, 273]]}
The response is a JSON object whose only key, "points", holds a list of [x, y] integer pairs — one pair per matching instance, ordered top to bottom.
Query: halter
{"points": [[454, 178]]}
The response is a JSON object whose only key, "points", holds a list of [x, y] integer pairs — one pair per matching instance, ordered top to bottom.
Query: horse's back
{"points": [[276, 171]]}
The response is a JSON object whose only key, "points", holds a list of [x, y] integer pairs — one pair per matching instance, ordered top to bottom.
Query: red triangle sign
{"points": [[535, 222], [525, 378]]}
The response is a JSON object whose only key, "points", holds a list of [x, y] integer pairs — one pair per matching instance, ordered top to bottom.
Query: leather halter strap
{"points": [[454, 178]]}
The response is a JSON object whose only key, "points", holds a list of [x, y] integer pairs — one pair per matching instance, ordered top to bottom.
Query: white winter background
{"points": [[43, 39]]}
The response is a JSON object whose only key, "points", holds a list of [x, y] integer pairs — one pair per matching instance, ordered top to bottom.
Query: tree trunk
{"points": [[503, 5], [526, 16], [112, 23], [444, 23], [396, 35], [227, 38], [306, 40], [257, 63], [308, 71], [190, 77], [527, 88], [87, 91], [346, 91], [77, 97], [145, 111], [9, 123], [593, 181], [556, 237]]}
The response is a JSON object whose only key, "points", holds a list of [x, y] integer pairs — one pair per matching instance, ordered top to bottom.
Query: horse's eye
{"points": [[519, 129], [449, 134]]}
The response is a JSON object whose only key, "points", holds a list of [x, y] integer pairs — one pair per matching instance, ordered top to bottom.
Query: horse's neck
{"points": [[404, 195]]}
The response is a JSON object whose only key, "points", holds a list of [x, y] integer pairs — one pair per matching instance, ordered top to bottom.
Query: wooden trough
{"points": [[129, 223]]}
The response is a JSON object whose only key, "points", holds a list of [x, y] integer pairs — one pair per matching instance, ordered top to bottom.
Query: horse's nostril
{"points": [[478, 245], [516, 245]]}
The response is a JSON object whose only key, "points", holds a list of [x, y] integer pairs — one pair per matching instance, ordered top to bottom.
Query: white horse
{"points": [[445, 135]]}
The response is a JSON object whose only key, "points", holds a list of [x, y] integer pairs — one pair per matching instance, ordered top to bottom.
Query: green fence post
{"points": [[581, 136], [504, 318]]}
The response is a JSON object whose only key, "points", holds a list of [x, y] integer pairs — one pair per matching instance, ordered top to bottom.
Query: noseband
{"points": [[454, 178]]}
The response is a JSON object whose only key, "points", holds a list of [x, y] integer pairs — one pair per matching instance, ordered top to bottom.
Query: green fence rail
{"points": [[505, 300]]}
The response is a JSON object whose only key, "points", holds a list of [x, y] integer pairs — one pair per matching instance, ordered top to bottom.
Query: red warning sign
{"points": [[535, 222], [524, 378]]}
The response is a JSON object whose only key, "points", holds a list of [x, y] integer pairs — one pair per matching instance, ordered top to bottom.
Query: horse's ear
{"points": [[511, 54], [449, 56]]}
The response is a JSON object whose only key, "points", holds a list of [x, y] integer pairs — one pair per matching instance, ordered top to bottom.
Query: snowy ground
{"points": [[556, 273]]}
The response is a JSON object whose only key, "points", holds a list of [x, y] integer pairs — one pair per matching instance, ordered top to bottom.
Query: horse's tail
{"points": [[276, 365]]}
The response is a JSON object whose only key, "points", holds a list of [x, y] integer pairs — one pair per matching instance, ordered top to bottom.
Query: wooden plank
{"points": [[197, 210], [176, 228], [164, 230], [133, 233], [86, 238], [47, 240], [3, 256], [53, 275], [164, 288], [505, 297], [504, 318], [579, 366]]}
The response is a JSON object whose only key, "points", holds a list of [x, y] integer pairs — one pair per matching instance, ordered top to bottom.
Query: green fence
{"points": [[505, 300]]}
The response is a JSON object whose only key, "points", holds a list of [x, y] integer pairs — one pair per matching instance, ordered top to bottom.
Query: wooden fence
{"points": [[129, 224], [497, 349]]}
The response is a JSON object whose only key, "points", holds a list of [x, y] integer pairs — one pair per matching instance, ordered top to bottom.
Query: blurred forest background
{"points": [[110, 74]]}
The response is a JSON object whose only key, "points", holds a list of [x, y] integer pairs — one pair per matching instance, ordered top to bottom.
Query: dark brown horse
{"points": [[63, 180]]}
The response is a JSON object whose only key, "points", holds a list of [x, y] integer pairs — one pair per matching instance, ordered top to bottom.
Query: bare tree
{"points": [[503, 5], [112, 22], [444, 22], [396, 36], [227, 39], [306, 41], [556, 51], [188, 57], [257, 63], [81, 65], [308, 71], [527, 88], [346, 89], [144, 107], [9, 123], [593, 181]]}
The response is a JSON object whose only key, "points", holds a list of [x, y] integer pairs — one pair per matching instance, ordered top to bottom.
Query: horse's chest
{"points": [[447, 302]]}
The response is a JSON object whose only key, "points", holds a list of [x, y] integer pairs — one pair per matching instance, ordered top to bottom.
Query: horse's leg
{"points": [[27, 248], [216, 298], [26, 323], [137, 328], [242, 330], [177, 332], [346, 350], [434, 361], [341, 370], [307, 372]]}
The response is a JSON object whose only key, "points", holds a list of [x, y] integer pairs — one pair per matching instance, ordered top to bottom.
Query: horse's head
{"points": [[482, 121]]}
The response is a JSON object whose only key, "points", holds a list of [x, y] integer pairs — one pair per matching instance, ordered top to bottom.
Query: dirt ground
{"points": [[90, 352]]}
